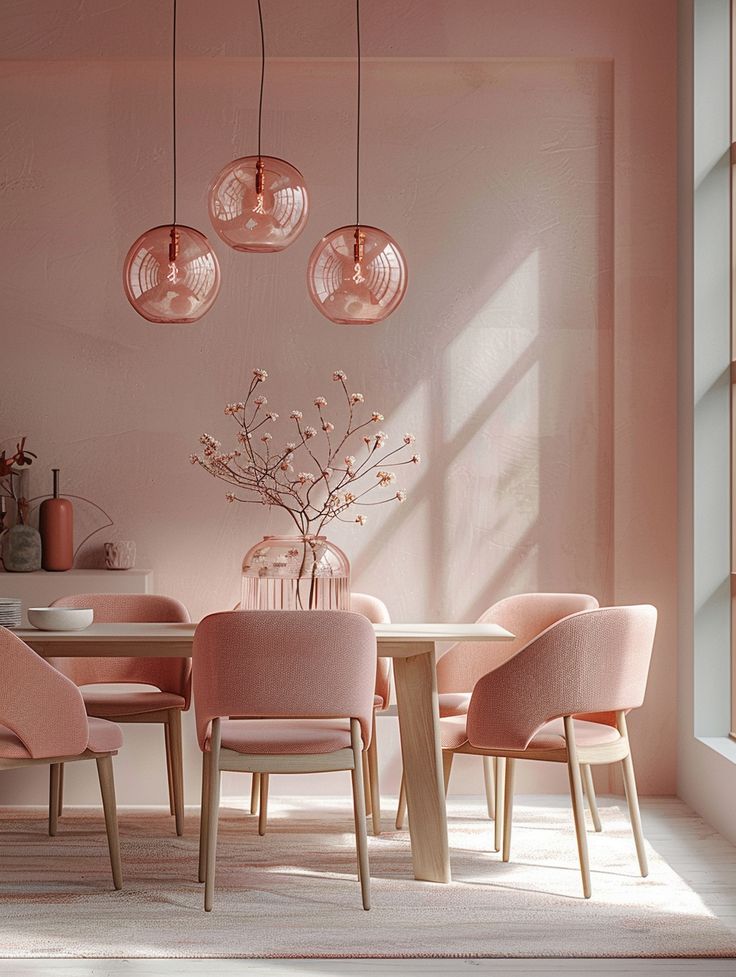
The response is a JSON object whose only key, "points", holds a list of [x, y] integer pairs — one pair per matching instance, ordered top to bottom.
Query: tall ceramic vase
{"points": [[56, 523], [21, 544], [294, 573]]}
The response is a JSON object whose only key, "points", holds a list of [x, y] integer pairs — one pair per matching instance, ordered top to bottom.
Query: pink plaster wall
{"points": [[524, 156]]}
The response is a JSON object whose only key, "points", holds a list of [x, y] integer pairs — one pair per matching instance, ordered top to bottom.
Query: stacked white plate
{"points": [[10, 612]]}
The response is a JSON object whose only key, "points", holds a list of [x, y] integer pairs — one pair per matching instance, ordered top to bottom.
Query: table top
{"points": [[176, 639]]}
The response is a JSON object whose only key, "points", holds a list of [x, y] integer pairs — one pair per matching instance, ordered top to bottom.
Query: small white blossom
{"points": [[260, 375], [339, 375], [357, 398], [260, 401], [320, 402], [296, 415], [272, 416], [375, 416], [327, 427], [309, 432], [266, 437], [409, 439], [415, 459], [349, 460], [327, 473], [385, 478], [230, 496], [400, 496], [361, 520]]}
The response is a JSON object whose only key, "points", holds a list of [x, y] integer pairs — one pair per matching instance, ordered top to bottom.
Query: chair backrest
{"points": [[377, 613], [524, 615], [591, 662], [286, 665], [166, 674], [44, 709]]}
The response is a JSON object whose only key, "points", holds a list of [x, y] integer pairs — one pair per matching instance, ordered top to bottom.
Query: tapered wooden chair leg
{"points": [[177, 768], [169, 775], [373, 781], [54, 784], [489, 784], [367, 785], [589, 788], [61, 789], [107, 789], [255, 792], [632, 798], [500, 802], [508, 807], [578, 809], [203, 810], [401, 810], [213, 812], [263, 813], [361, 835]]}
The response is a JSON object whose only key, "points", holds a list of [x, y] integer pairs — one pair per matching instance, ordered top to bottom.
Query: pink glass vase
{"points": [[295, 573]]}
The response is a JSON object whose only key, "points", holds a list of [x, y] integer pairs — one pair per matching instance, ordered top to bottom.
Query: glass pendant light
{"points": [[259, 203], [171, 274], [357, 274]]}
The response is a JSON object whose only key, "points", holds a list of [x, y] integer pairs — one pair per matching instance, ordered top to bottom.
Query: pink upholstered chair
{"points": [[377, 613], [525, 616], [592, 664], [171, 678], [301, 683], [43, 720]]}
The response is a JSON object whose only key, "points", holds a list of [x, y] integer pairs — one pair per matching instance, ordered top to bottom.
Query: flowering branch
{"points": [[311, 498]]}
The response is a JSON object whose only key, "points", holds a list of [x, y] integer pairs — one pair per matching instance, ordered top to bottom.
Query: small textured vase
{"points": [[56, 524], [22, 549], [120, 555], [295, 573]]}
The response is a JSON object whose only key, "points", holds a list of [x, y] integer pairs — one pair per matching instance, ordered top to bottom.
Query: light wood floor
{"points": [[696, 852]]}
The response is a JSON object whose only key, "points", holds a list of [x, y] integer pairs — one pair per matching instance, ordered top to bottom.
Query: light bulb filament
{"points": [[258, 209], [173, 273], [358, 277]]}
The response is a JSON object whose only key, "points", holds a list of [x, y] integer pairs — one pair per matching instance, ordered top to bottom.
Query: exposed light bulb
{"points": [[173, 273], [358, 277]]}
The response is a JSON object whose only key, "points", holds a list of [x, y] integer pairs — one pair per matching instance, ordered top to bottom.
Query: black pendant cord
{"points": [[263, 76], [173, 106], [357, 138]]}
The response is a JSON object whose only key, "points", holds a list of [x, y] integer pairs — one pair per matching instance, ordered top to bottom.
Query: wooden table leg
{"points": [[419, 719]]}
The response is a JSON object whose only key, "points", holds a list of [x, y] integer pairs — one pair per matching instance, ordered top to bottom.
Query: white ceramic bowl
{"points": [[60, 618]]}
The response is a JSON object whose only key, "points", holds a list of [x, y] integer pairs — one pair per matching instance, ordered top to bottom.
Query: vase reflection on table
{"points": [[295, 573]]}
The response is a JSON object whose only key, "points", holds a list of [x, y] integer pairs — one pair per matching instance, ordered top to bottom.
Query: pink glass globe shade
{"points": [[248, 223], [162, 290], [357, 293]]}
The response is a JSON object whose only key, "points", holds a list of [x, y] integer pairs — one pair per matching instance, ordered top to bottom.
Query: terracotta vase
{"points": [[56, 523]]}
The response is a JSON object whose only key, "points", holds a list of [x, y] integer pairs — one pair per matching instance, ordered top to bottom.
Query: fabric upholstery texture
{"points": [[377, 613], [525, 616], [591, 662], [284, 664], [172, 675], [454, 703], [104, 704], [42, 713], [454, 734], [285, 736]]}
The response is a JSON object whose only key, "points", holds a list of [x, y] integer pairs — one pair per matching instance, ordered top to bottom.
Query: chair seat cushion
{"points": [[454, 703], [116, 705], [284, 736], [551, 736], [104, 737]]}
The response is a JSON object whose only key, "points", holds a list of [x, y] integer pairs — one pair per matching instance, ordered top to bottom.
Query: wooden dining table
{"points": [[413, 650]]}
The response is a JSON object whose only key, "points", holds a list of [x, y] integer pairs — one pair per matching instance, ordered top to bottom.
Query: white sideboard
{"points": [[41, 587]]}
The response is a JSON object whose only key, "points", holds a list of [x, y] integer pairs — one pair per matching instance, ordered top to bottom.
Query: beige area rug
{"points": [[294, 892]]}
